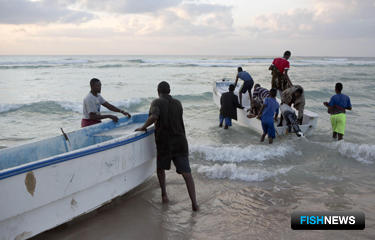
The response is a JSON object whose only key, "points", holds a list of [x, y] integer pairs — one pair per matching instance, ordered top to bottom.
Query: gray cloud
{"points": [[127, 6], [27, 12], [329, 19], [197, 20]]}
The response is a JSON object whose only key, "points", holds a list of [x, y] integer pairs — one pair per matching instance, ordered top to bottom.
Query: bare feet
{"points": [[165, 199]]}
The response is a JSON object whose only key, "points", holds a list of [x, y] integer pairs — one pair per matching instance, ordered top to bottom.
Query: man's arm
{"points": [[287, 78], [235, 83], [115, 109], [261, 111], [276, 114], [95, 116], [150, 120]]}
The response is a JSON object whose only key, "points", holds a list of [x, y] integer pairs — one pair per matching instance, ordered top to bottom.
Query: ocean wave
{"points": [[136, 61], [241, 61], [41, 63], [25, 66], [111, 66], [194, 97], [62, 106], [364, 153], [233, 154], [234, 172]]}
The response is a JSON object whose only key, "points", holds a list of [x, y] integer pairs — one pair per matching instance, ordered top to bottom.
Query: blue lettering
{"points": [[303, 219], [312, 220]]}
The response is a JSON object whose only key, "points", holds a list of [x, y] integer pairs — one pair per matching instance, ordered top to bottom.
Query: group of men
{"points": [[264, 106], [166, 113]]}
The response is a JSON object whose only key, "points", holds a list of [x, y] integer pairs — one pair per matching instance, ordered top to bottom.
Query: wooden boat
{"points": [[310, 119], [46, 183]]}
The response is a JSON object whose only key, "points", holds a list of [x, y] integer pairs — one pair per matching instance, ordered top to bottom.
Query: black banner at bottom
{"points": [[328, 221]]}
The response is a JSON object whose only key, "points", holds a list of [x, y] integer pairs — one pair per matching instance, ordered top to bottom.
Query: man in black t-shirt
{"points": [[171, 143]]}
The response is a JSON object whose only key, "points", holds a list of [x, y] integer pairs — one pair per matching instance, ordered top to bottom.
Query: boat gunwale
{"points": [[99, 147]]}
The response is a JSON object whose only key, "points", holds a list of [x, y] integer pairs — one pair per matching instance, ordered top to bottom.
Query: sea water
{"points": [[246, 189]]}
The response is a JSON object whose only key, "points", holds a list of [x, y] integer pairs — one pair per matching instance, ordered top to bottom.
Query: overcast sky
{"points": [[193, 27]]}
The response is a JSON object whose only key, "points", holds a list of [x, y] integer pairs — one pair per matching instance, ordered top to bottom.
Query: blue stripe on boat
{"points": [[32, 166]]}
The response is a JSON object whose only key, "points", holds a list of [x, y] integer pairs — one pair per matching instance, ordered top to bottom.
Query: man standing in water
{"points": [[280, 68], [246, 86], [92, 103], [337, 107], [171, 143]]}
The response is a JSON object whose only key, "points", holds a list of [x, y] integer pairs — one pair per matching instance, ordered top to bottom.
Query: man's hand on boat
{"points": [[126, 113], [113, 117], [150, 120]]}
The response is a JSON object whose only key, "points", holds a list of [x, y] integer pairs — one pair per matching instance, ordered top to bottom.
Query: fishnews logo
{"points": [[328, 221]]}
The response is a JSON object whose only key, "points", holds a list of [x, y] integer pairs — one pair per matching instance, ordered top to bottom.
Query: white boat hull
{"points": [[310, 119], [48, 196]]}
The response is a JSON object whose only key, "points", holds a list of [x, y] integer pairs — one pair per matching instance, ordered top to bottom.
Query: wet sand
{"points": [[228, 210]]}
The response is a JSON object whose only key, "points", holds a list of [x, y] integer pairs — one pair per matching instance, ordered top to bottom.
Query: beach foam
{"points": [[228, 153], [364, 153], [234, 172]]}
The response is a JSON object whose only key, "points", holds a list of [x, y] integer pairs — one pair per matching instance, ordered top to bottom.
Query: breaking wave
{"points": [[41, 64], [61, 106], [364, 153], [233, 154], [234, 172]]}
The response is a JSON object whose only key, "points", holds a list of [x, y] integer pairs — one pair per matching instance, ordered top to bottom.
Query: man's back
{"points": [[281, 64], [245, 76], [261, 93], [228, 100], [341, 100], [271, 107], [169, 128]]}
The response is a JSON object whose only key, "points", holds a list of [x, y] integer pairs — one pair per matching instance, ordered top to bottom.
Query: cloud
{"points": [[127, 6], [31, 12], [193, 19], [328, 19]]}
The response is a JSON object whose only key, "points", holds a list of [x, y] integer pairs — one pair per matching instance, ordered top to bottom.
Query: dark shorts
{"points": [[247, 86], [269, 128], [181, 163]]}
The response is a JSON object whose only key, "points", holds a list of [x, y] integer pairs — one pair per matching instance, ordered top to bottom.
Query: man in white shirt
{"points": [[92, 103]]}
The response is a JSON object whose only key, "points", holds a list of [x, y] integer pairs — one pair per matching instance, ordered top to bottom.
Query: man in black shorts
{"points": [[246, 86], [171, 143]]}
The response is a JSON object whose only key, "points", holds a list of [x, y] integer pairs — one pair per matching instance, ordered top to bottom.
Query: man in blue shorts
{"points": [[246, 86], [268, 113]]}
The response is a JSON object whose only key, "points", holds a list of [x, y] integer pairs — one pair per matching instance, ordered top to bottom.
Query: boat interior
{"points": [[99, 133]]}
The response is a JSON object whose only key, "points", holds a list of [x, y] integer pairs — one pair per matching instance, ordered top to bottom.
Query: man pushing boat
{"points": [[246, 86], [294, 96], [92, 103], [171, 143]]}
